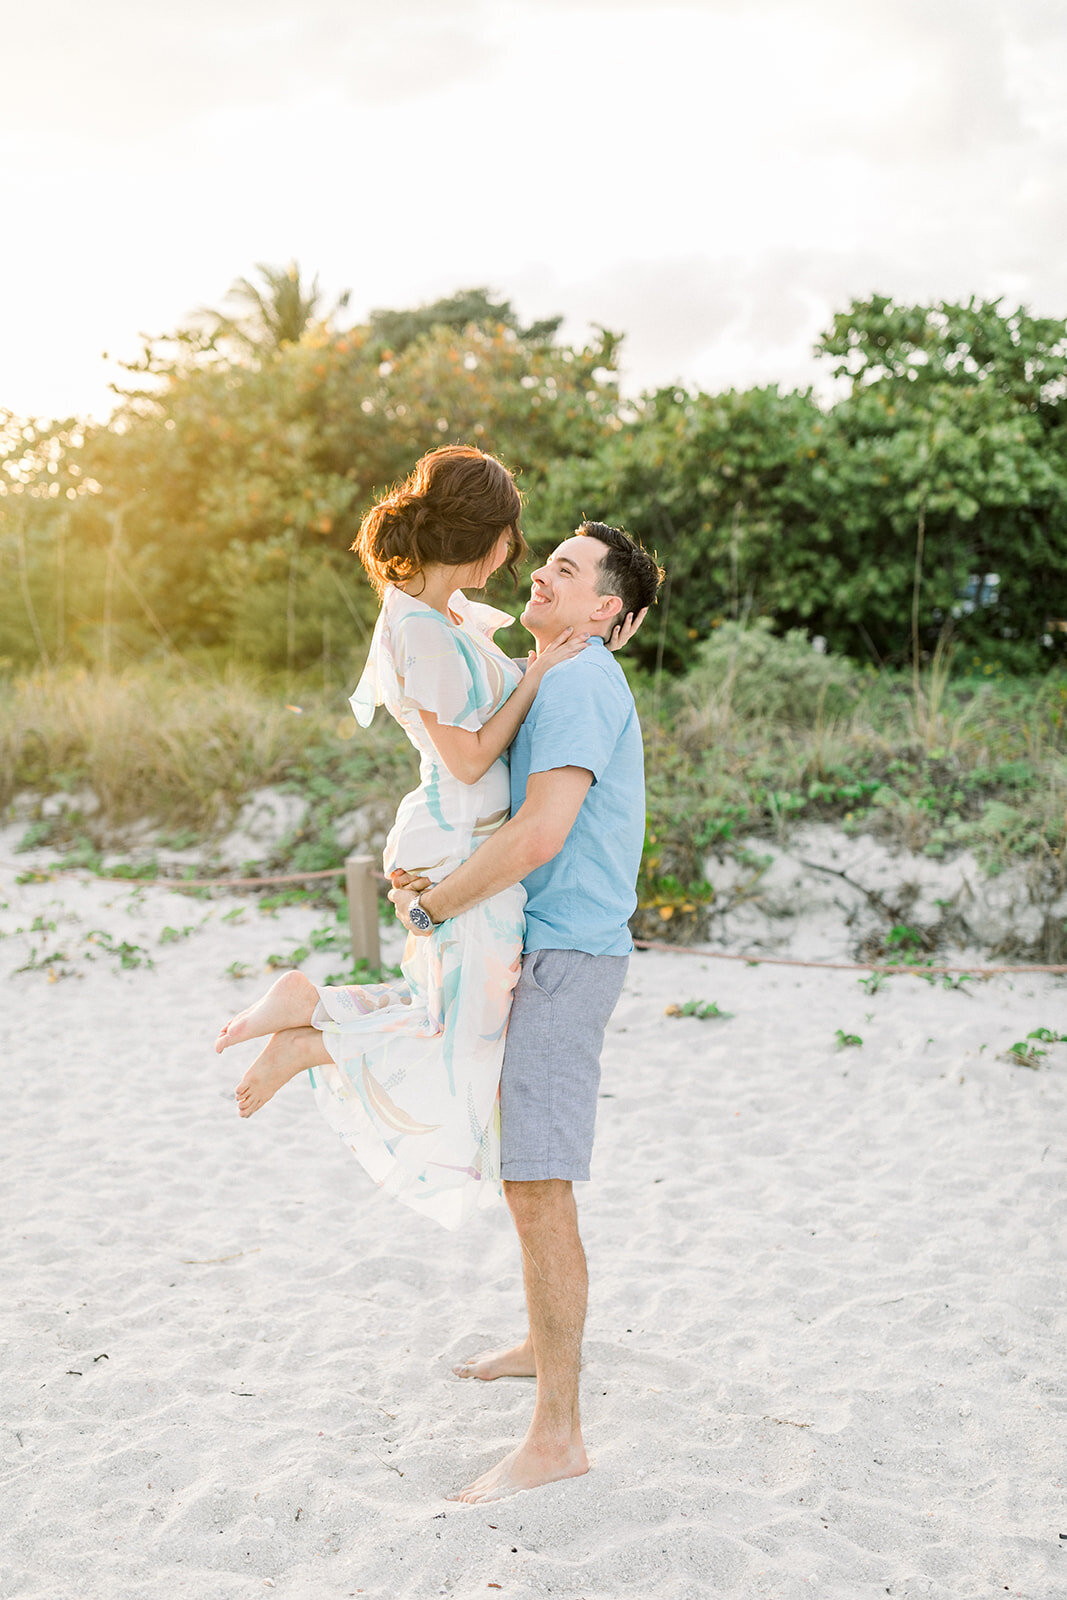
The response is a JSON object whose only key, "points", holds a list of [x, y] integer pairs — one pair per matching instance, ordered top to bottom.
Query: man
{"points": [[574, 839]]}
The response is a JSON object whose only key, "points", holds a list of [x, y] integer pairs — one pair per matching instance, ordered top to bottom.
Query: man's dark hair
{"points": [[625, 568]]}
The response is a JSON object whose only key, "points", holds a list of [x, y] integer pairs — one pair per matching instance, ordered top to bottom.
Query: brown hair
{"points": [[450, 512], [626, 568]]}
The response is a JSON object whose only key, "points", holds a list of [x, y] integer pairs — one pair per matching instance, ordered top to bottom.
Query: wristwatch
{"points": [[420, 920]]}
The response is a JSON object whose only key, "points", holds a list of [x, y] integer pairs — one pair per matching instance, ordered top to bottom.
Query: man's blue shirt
{"points": [[584, 716]]}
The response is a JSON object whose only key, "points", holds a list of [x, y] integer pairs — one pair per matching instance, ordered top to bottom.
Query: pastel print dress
{"points": [[412, 1086]]}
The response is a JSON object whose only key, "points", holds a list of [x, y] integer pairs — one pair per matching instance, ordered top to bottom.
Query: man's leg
{"points": [[548, 1101], [554, 1273], [557, 1290]]}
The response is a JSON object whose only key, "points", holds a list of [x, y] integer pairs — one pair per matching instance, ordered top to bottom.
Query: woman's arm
{"points": [[469, 755]]}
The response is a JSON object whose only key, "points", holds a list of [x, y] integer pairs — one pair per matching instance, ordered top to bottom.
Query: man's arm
{"points": [[535, 834]]}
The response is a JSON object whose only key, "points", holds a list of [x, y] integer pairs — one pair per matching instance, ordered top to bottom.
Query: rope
{"points": [[184, 883], [189, 883], [236, 883], [641, 944], [835, 966]]}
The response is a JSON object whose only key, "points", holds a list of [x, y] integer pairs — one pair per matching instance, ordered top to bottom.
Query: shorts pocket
{"points": [[549, 970]]}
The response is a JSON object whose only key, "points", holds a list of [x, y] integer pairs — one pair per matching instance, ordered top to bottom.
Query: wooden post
{"points": [[362, 909]]}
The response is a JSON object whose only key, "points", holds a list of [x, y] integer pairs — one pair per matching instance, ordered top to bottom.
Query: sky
{"points": [[712, 179]]}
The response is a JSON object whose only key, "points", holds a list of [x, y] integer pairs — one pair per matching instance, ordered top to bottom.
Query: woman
{"points": [[408, 1072]]}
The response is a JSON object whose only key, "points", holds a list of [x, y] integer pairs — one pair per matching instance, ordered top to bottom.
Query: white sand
{"points": [[825, 1346]]}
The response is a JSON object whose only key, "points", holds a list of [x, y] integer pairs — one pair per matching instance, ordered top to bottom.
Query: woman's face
{"points": [[497, 556]]}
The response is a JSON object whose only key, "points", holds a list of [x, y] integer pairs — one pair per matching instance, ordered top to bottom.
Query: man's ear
{"points": [[606, 608]]}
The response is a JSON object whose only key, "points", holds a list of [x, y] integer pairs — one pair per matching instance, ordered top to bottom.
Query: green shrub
{"points": [[749, 671]]}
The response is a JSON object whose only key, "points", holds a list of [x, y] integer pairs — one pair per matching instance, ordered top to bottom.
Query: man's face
{"points": [[563, 593]]}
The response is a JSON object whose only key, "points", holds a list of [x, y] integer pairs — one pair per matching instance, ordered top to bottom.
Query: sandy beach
{"points": [[825, 1346]]}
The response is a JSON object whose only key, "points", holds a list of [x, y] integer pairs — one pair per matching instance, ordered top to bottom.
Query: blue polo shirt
{"points": [[584, 716]]}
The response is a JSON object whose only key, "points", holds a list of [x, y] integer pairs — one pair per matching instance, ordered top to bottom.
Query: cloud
{"points": [[125, 71], [908, 83], [713, 178], [720, 321], [736, 321]]}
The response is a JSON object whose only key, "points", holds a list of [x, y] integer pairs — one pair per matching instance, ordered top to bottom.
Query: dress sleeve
{"points": [[487, 619], [441, 671], [369, 693]]}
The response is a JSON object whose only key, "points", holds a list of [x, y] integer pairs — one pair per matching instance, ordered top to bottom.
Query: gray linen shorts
{"points": [[551, 1071]]}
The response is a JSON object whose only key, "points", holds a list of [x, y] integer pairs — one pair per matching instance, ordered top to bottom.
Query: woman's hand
{"points": [[624, 632], [562, 648], [409, 880]]}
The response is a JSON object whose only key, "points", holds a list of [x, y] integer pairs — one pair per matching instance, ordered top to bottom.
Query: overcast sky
{"points": [[711, 178]]}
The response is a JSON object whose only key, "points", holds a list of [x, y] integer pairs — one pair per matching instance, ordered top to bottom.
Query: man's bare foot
{"points": [[288, 1003], [288, 1053], [518, 1362], [527, 1467]]}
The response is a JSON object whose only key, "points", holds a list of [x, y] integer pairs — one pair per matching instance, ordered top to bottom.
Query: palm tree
{"points": [[277, 314]]}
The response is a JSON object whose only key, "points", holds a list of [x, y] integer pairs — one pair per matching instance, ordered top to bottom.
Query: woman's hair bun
{"points": [[450, 512]]}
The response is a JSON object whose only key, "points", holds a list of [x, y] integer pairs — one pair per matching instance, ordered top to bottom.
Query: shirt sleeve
{"points": [[439, 670], [575, 721]]}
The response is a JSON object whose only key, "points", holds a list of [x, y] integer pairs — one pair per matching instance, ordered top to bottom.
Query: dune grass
{"points": [[145, 742], [156, 744], [972, 758]]}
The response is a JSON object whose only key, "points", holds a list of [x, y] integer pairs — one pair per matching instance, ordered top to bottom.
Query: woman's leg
{"points": [[288, 1003], [285, 1056]]}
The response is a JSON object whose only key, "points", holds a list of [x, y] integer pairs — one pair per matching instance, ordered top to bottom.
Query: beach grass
{"points": [[182, 750], [971, 758]]}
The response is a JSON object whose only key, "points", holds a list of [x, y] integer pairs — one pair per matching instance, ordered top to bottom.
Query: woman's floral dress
{"points": [[412, 1087]]}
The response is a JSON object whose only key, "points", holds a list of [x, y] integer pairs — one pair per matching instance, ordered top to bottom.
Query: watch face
{"points": [[420, 919]]}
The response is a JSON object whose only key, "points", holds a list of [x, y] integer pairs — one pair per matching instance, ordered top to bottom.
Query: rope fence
{"points": [[361, 877], [183, 883], [834, 966]]}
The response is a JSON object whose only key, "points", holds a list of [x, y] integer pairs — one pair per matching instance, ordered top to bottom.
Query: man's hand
{"points": [[624, 632], [406, 885], [402, 899]]}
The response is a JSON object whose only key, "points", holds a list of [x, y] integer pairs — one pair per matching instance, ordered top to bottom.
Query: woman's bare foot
{"points": [[288, 1003], [288, 1053], [518, 1362], [528, 1467]]}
